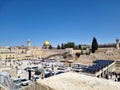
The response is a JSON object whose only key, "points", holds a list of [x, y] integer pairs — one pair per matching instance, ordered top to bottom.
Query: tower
{"points": [[28, 43], [117, 43]]}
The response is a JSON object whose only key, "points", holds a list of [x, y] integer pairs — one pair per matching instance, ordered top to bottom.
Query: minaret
{"points": [[28, 43], [117, 43]]}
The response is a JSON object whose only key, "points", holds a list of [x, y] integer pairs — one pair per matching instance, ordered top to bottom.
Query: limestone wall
{"points": [[74, 81]]}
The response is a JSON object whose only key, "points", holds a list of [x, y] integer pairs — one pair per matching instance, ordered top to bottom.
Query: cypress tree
{"points": [[94, 45], [58, 46], [62, 46]]}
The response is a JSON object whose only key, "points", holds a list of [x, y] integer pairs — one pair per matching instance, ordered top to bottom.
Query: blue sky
{"points": [[58, 21]]}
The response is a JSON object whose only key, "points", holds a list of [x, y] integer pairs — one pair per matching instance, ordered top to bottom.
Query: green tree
{"points": [[69, 45], [94, 45], [58, 46], [62, 46], [50, 47], [75, 47], [79, 47], [78, 54]]}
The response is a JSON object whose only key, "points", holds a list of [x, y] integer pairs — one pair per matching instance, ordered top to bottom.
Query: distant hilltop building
{"points": [[108, 45], [111, 45]]}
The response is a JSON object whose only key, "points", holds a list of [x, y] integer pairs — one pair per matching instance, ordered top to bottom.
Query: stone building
{"points": [[7, 54]]}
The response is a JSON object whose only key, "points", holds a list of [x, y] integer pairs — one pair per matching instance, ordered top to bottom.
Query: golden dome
{"points": [[47, 43]]}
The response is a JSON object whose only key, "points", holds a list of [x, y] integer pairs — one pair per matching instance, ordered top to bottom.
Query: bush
{"points": [[78, 54]]}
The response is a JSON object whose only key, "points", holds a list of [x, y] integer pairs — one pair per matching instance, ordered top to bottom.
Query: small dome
{"points": [[47, 43]]}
